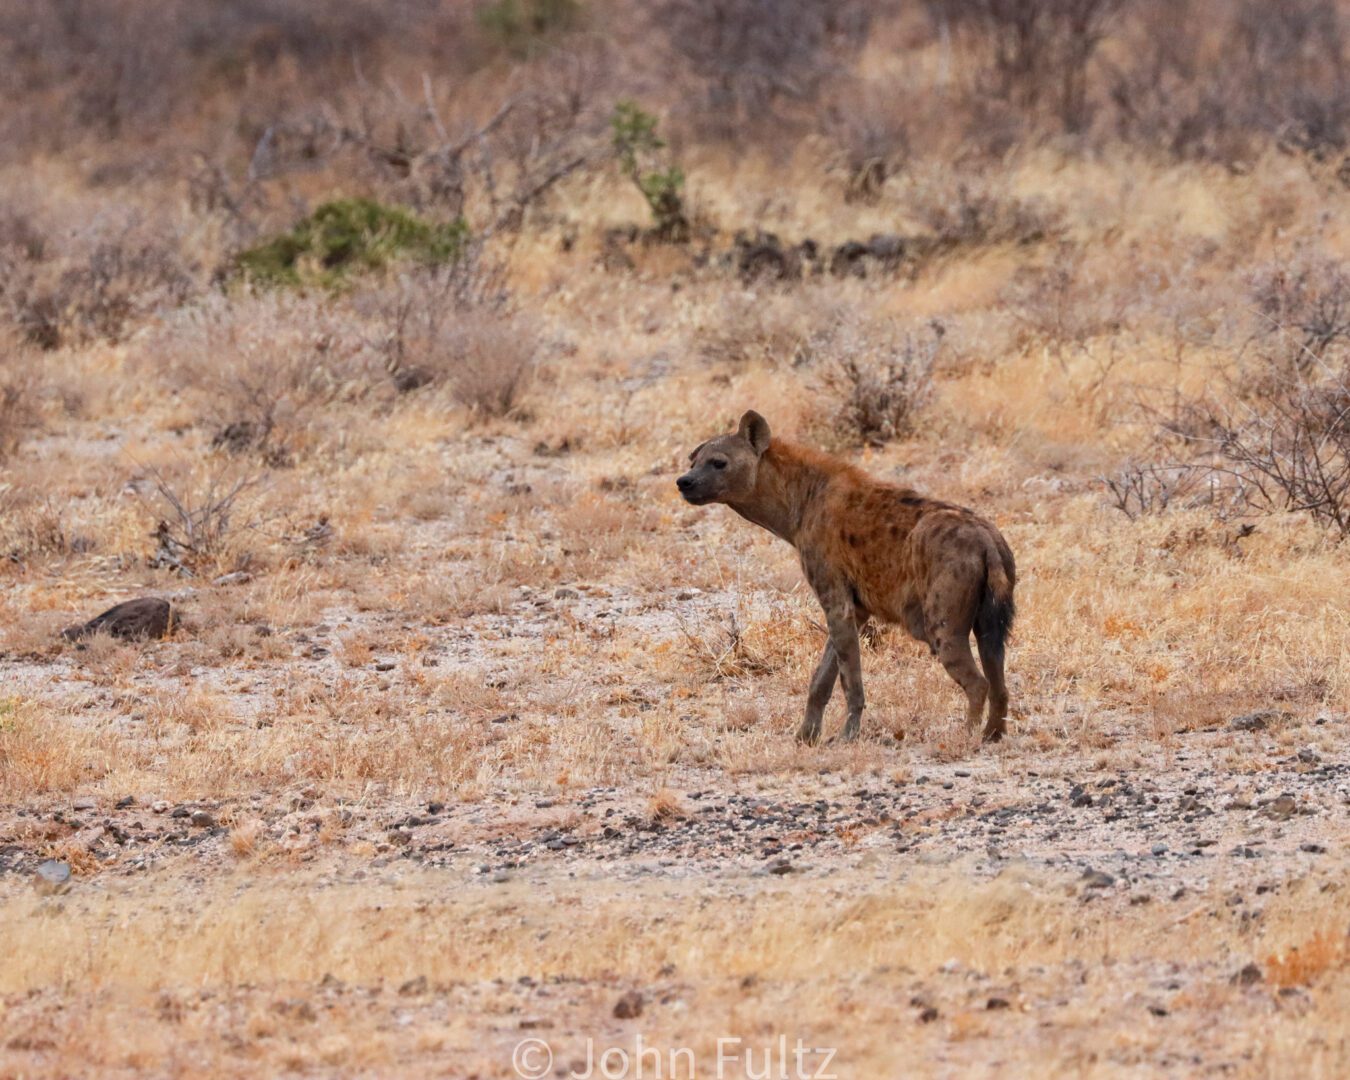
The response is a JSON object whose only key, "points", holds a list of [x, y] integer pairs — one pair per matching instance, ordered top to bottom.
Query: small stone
{"points": [[1252, 721], [1281, 809], [202, 820], [53, 876], [1096, 879], [1248, 976], [629, 1006], [296, 1009]]}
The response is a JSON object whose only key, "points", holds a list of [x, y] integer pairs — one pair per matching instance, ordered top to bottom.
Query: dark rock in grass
{"points": [[133, 620], [1252, 721], [1096, 879], [1248, 976]]}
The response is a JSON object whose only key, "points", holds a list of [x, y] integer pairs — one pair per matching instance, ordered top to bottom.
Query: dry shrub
{"points": [[1033, 54], [754, 59], [1221, 80], [872, 134], [957, 211], [68, 287], [1067, 302], [1303, 315], [455, 327], [769, 327], [488, 361], [262, 368], [880, 385], [19, 411], [1141, 488], [198, 528], [665, 806]]}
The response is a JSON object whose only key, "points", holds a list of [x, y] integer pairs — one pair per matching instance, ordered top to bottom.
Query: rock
{"points": [[239, 577], [132, 620], [1252, 721], [1280, 809], [202, 820], [52, 877], [1096, 879], [1248, 976], [413, 987], [629, 1006], [296, 1009]]}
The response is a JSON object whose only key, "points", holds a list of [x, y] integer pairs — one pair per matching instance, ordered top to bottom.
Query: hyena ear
{"points": [[754, 429], [694, 452]]}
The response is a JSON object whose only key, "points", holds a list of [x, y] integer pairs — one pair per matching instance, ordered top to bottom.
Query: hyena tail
{"points": [[994, 618]]}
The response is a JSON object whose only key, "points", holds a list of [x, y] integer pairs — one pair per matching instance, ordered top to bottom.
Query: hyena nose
{"points": [[684, 483]]}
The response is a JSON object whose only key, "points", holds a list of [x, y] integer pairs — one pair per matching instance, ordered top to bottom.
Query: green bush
{"points": [[636, 143], [350, 236]]}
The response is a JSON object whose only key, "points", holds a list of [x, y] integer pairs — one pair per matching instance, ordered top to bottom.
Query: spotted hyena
{"points": [[871, 550]]}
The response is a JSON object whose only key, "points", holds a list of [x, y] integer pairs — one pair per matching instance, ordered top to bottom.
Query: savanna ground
{"points": [[471, 732]]}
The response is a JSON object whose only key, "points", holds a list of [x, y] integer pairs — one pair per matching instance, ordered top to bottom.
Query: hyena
{"points": [[870, 549]]}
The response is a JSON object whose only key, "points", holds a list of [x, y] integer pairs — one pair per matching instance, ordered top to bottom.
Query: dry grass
{"points": [[463, 574]]}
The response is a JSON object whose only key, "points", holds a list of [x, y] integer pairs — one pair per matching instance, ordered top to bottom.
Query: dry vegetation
{"points": [[373, 335]]}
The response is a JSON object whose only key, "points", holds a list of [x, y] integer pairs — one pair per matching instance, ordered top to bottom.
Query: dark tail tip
{"points": [[993, 623]]}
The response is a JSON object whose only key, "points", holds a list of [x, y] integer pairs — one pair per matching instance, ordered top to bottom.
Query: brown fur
{"points": [[870, 549]]}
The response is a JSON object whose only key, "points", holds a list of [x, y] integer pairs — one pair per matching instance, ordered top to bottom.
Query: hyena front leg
{"points": [[844, 638], [822, 686]]}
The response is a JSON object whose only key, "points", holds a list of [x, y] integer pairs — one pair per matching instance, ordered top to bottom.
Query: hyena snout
{"points": [[695, 489]]}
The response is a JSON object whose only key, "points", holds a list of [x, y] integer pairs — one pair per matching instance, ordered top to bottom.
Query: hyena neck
{"points": [[787, 479]]}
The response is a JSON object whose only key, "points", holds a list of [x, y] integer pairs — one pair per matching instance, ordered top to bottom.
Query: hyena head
{"points": [[723, 470]]}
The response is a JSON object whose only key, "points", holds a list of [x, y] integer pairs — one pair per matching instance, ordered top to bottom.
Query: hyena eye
{"points": [[719, 463]]}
